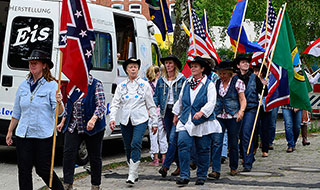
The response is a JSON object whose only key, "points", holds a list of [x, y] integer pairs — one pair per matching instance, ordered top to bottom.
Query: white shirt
{"points": [[170, 96], [134, 100], [207, 127]]}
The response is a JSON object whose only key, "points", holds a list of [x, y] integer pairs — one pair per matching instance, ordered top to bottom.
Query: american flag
{"points": [[272, 17], [76, 41], [203, 42], [278, 85]]}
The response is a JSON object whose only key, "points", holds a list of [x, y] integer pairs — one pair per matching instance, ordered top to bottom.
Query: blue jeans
{"points": [[274, 115], [292, 122], [265, 126], [233, 128], [246, 130], [172, 136], [132, 139], [216, 141], [185, 142], [224, 152], [172, 153]]}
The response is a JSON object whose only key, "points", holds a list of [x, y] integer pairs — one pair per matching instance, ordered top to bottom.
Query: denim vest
{"points": [[161, 93], [251, 93], [200, 100], [230, 102], [88, 107]]}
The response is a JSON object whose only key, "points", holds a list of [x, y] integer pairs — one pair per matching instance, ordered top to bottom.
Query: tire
{"points": [[82, 156]]}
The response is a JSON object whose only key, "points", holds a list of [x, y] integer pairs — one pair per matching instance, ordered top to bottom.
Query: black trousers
{"points": [[94, 147], [35, 152]]}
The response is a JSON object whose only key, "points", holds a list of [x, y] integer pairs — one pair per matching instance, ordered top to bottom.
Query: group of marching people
{"points": [[189, 119], [192, 121]]}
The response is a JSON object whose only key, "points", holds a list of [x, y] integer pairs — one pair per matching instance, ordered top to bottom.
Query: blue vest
{"points": [[251, 93], [200, 100], [230, 102], [88, 107]]}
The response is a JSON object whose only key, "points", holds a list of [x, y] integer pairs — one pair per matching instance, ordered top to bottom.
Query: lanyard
{"points": [[34, 92]]}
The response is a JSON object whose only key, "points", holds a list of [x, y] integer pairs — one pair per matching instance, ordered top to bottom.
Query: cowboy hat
{"points": [[40, 55], [174, 59], [130, 60], [203, 62], [225, 65]]}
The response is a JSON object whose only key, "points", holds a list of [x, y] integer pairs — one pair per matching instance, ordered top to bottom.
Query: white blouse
{"points": [[134, 100], [207, 127]]}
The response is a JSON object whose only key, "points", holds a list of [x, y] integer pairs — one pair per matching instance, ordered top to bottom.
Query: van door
{"points": [[30, 25], [144, 49]]}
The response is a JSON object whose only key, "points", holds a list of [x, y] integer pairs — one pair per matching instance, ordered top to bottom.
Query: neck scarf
{"points": [[194, 83]]}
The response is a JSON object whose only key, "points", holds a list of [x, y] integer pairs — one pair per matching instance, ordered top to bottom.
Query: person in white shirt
{"points": [[133, 100], [195, 120]]}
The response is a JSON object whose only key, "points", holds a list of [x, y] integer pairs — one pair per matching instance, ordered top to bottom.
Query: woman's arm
{"points": [[243, 105], [12, 126]]}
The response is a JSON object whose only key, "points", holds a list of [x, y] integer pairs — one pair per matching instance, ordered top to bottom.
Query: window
{"points": [[117, 6], [135, 8], [172, 14], [27, 34], [155, 54], [102, 56]]}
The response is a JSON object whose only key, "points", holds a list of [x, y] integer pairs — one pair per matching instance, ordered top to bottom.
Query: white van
{"points": [[34, 24]]}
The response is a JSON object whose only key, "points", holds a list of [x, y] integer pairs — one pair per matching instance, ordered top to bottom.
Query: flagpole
{"points": [[205, 20], [191, 21], [165, 25], [185, 28], [266, 34], [237, 45], [314, 73], [267, 75], [55, 125]]}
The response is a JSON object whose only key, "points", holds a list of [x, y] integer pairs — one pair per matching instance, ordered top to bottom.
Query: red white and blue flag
{"points": [[76, 42], [203, 43], [257, 57], [278, 85]]}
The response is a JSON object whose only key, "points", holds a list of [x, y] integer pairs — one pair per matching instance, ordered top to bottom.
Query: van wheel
{"points": [[82, 157]]}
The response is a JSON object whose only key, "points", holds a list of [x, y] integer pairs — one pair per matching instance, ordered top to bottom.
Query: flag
{"points": [[157, 17], [204, 22], [234, 28], [76, 41], [263, 42], [203, 43], [314, 48], [286, 55], [186, 71]]}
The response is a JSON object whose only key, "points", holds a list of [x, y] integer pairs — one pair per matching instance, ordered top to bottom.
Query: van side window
{"points": [[27, 34], [155, 54], [102, 56]]}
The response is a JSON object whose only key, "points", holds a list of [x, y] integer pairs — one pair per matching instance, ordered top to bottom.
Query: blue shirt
{"points": [[35, 111]]}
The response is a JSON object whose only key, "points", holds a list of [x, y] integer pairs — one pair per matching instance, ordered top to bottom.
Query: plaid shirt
{"points": [[240, 87], [76, 119]]}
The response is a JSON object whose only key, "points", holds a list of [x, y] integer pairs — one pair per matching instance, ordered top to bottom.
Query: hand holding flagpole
{"points": [[268, 70], [55, 126]]}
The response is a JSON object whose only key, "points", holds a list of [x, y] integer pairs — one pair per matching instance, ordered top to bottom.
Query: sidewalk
{"points": [[304, 156]]}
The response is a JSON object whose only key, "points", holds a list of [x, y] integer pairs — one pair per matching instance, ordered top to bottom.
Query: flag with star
{"points": [[76, 41]]}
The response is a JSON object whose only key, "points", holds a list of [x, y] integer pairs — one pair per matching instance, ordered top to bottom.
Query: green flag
{"points": [[286, 55]]}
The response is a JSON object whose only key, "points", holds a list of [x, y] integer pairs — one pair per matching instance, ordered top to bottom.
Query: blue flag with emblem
{"points": [[157, 17]]}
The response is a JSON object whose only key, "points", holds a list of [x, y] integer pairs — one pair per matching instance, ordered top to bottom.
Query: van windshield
{"points": [[27, 34]]}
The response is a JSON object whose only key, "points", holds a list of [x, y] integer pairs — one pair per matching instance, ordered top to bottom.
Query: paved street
{"points": [[307, 156], [115, 179]]}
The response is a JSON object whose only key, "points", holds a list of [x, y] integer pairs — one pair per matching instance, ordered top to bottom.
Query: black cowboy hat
{"points": [[40, 55], [242, 57], [174, 59], [130, 60], [203, 62], [225, 65]]}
